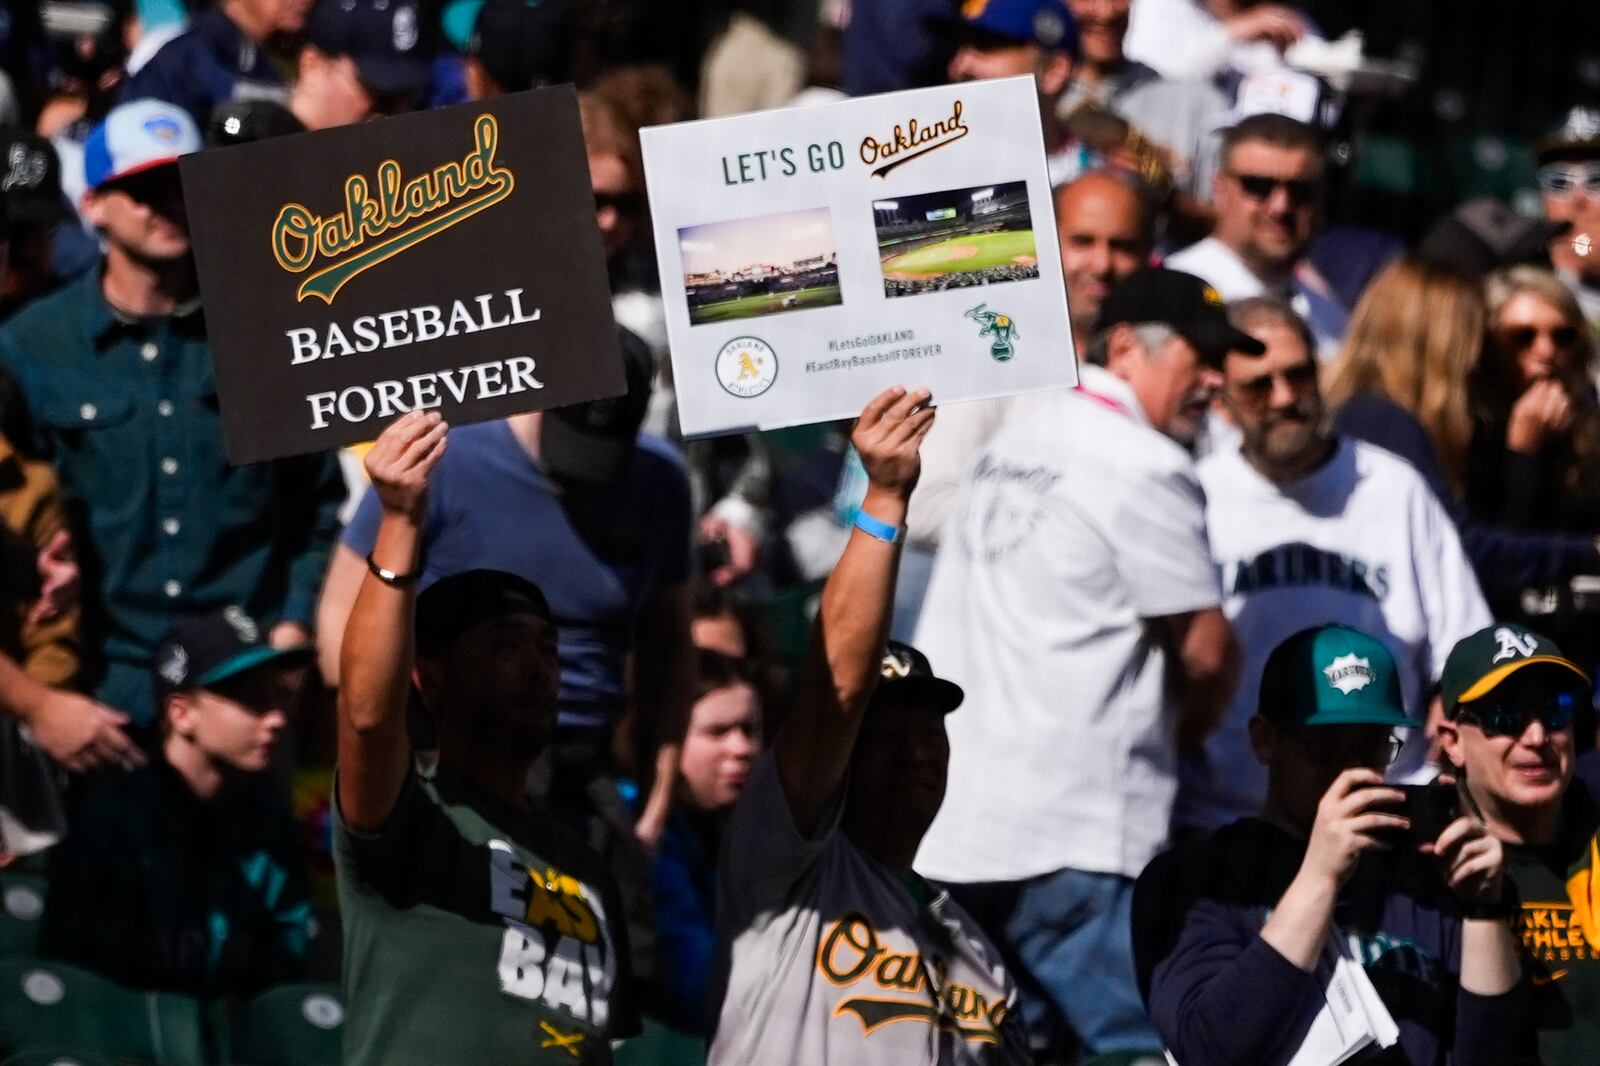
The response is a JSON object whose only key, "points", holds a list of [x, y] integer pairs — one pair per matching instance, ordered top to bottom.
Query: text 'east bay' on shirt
{"points": [[476, 933], [825, 958]]}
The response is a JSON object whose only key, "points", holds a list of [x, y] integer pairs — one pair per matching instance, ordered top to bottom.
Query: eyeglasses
{"points": [[1561, 180], [1261, 187], [1521, 338], [1256, 390], [1511, 717], [1329, 749]]}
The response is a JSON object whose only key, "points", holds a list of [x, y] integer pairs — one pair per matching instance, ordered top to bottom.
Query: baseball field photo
{"points": [[955, 239], [766, 265]]}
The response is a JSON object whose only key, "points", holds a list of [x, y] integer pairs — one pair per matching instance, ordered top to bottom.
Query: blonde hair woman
{"points": [[1414, 340]]}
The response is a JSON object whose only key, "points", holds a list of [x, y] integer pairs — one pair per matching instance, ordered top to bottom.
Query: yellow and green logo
{"points": [[381, 220], [1002, 327]]}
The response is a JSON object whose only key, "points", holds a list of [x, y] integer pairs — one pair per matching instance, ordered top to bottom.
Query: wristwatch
{"points": [[1504, 907]]}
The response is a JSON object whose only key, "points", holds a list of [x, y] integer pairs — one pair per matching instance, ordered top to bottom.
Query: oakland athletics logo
{"points": [[396, 213], [994, 324], [747, 367], [1513, 645]]}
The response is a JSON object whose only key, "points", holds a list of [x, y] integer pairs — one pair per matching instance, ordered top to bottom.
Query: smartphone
{"points": [[714, 554], [1431, 808]]}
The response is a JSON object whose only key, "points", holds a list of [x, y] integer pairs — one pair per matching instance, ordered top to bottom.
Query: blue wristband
{"points": [[876, 527]]}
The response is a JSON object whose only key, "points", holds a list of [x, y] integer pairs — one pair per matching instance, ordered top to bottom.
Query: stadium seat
{"points": [[1389, 164], [788, 618], [22, 898], [50, 1005], [291, 1025], [658, 1045], [58, 1056], [1126, 1058]]}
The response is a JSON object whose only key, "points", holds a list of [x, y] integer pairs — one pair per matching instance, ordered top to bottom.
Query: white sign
{"points": [[812, 257]]}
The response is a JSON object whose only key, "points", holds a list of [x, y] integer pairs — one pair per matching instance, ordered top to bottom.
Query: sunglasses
{"points": [[1563, 179], [155, 187], [1260, 187], [622, 203], [1521, 338], [1256, 390], [1510, 718]]}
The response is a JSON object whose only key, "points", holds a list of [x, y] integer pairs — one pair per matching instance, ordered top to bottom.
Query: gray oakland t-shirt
{"points": [[825, 958]]}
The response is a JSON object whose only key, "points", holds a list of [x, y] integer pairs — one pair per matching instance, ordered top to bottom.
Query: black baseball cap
{"points": [[383, 37], [522, 43], [247, 121], [1577, 138], [30, 180], [1483, 235], [1190, 306], [591, 443], [454, 604], [204, 652], [1480, 662], [908, 678]]}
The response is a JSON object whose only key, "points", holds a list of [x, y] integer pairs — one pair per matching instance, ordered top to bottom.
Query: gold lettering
{"points": [[912, 140], [459, 187], [544, 908], [854, 936], [900, 971]]}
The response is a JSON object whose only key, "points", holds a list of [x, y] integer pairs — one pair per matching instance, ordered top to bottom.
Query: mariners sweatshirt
{"points": [[1219, 995]]}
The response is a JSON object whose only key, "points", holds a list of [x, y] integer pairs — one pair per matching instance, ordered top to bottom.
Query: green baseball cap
{"points": [[1477, 664], [1332, 675]]}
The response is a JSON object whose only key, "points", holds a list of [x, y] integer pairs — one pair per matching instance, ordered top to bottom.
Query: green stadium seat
{"points": [[1389, 164], [788, 618], [22, 898], [49, 1005], [291, 1025], [659, 1045], [58, 1056], [1126, 1058]]}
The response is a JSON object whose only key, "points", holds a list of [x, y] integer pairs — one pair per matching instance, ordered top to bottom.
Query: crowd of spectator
{"points": [[959, 279], [1148, 716]]}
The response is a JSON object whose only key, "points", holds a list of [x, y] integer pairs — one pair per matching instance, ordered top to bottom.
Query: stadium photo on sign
{"points": [[955, 239], [766, 265]]}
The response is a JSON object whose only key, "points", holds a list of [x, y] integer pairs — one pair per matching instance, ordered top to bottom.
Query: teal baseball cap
{"points": [[1332, 675]]}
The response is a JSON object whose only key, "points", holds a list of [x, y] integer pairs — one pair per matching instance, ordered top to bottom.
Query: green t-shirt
{"points": [[478, 933], [1563, 962]]}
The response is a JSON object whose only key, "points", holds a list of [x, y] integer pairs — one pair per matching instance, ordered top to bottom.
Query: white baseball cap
{"points": [[137, 136]]}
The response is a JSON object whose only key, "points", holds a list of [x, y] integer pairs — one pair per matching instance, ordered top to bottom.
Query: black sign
{"points": [[444, 260]]}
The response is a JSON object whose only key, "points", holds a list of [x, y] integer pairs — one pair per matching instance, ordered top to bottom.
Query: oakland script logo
{"points": [[912, 140], [397, 215], [902, 987]]}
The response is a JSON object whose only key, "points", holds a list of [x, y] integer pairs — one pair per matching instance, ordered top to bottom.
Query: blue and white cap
{"points": [[137, 136]]}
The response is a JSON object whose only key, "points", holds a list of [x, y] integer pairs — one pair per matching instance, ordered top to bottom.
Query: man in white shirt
{"points": [[1268, 197], [1105, 228], [1307, 528], [1075, 601]]}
